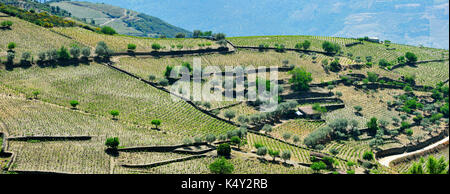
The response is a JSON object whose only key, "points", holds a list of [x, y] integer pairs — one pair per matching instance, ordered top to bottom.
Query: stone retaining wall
{"points": [[50, 138], [170, 148], [400, 150], [155, 164]]}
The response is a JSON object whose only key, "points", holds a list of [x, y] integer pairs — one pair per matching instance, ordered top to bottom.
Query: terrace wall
{"points": [[400, 150]]}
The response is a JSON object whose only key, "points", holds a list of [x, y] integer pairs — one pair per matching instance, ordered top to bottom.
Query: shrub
{"points": [[108, 30], [180, 35], [219, 36], [163, 82], [74, 103], [319, 108], [358, 108], [409, 132], [287, 136], [210, 138], [198, 139], [296, 139], [187, 141], [112, 142], [258, 145], [224, 150], [262, 151], [334, 151], [368, 155], [221, 166]]}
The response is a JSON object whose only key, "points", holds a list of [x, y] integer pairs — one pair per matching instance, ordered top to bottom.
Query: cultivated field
{"points": [[119, 42]]}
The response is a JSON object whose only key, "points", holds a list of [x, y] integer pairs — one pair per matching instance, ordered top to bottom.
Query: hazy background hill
{"points": [[124, 21], [413, 22]]}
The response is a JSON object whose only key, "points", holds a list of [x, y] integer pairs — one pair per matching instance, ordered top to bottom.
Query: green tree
{"points": [[108, 30], [180, 35], [306, 44], [11, 46], [156, 46], [132, 47], [331, 47], [102, 50], [75, 52], [86, 52], [63, 53], [411, 57], [383, 63], [372, 77], [300, 79], [36, 94], [74, 103], [114, 113], [229, 114], [156, 122], [372, 125], [267, 128], [236, 141], [112, 143], [224, 150], [262, 151], [274, 154], [286, 155], [368, 155], [221, 166], [317, 166], [435, 166]]}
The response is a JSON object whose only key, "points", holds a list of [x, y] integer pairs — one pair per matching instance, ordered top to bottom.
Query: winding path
{"points": [[386, 161]]}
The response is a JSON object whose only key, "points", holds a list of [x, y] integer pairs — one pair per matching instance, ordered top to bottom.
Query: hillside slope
{"points": [[124, 21]]}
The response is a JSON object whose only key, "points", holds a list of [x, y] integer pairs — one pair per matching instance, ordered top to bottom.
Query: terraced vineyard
{"points": [[30, 38], [288, 41], [119, 42], [423, 72], [100, 89], [374, 105], [28, 118], [297, 127], [298, 154], [63, 157]]}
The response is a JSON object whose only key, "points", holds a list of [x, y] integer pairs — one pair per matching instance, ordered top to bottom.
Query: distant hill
{"points": [[124, 21]]}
